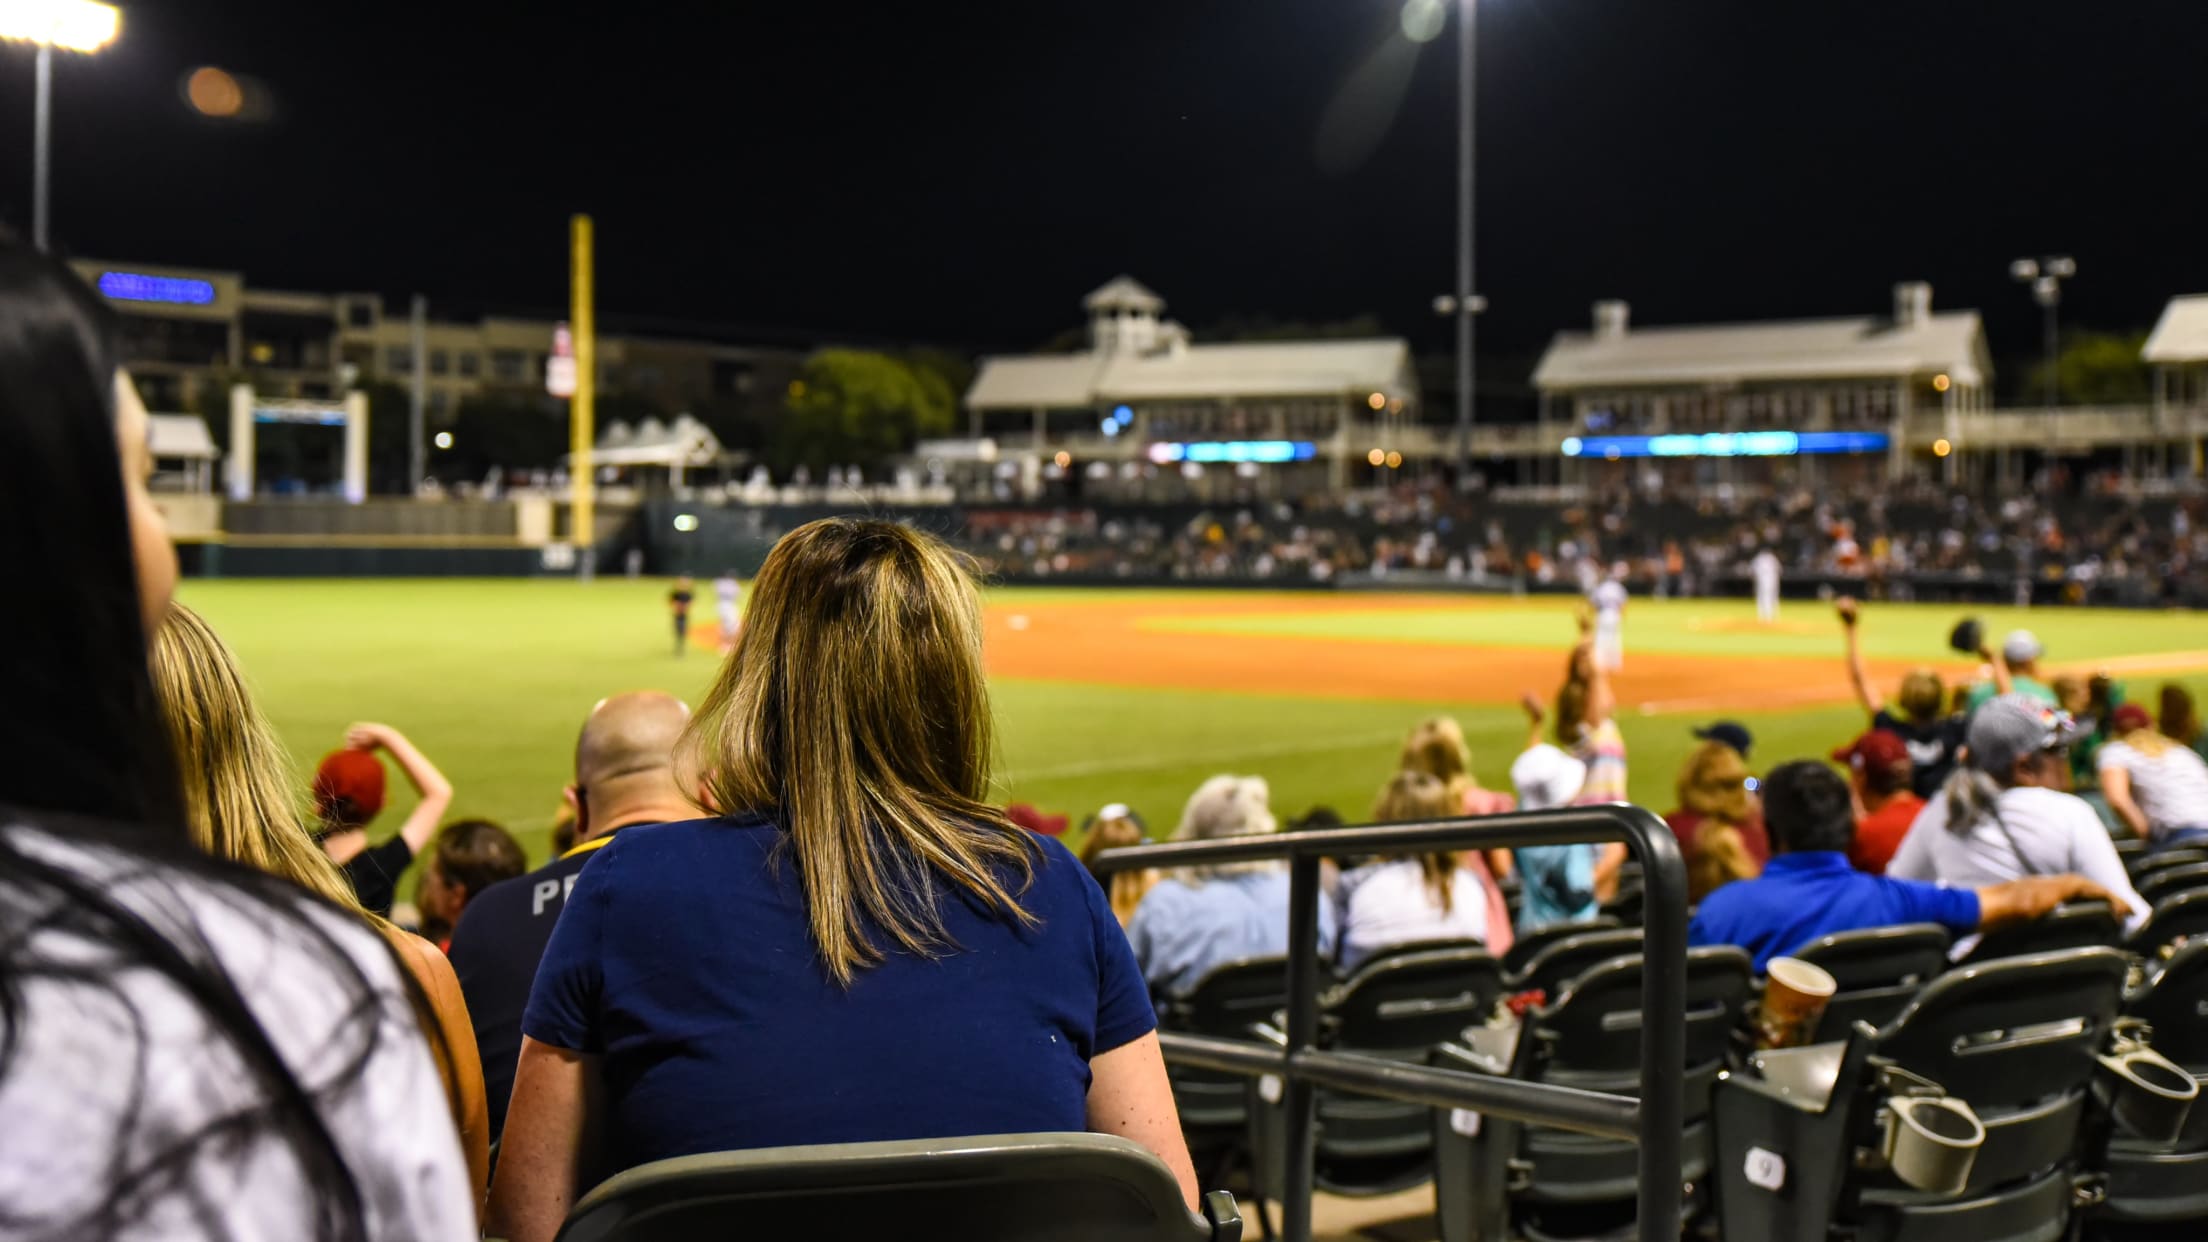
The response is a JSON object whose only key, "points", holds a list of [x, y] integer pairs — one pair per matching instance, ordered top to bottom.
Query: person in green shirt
{"points": [[2015, 670]]}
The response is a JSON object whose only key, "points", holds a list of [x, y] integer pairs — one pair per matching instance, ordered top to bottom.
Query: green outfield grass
{"points": [[492, 678]]}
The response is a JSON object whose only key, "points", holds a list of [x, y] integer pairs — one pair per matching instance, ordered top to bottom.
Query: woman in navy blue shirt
{"points": [[860, 948]]}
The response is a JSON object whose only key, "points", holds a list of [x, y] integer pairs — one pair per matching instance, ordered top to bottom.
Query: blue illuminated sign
{"points": [[138, 287], [1729, 444], [1213, 451]]}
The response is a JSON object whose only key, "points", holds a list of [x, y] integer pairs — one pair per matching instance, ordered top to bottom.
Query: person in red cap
{"points": [[1880, 769], [348, 794]]}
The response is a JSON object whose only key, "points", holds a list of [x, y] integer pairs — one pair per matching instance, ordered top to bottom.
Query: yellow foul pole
{"points": [[581, 408]]}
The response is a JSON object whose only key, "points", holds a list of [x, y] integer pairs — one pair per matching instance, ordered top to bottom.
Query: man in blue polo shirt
{"points": [[624, 778], [1808, 889]]}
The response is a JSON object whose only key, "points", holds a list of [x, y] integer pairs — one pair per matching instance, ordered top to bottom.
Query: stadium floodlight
{"points": [[73, 26], [2045, 276]]}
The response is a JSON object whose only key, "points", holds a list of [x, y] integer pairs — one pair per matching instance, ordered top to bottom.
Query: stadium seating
{"points": [[2140, 864], [2170, 881], [2175, 917], [2077, 925], [1523, 949], [1566, 958], [1879, 970], [1225, 1003], [1400, 1006], [2017, 1039], [1496, 1178], [2164, 1184], [1010, 1188]]}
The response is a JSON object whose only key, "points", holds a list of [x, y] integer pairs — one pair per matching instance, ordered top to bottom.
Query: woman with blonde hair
{"points": [[1437, 748], [2154, 783], [240, 804], [1718, 822], [1115, 827], [1411, 897], [860, 947]]}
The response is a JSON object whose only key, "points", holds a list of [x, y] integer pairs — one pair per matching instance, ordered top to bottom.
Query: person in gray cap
{"points": [[2015, 671], [2005, 811]]}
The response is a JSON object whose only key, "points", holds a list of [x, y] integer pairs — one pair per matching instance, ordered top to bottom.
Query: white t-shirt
{"points": [[1609, 601], [2171, 788], [2054, 833], [1388, 903], [90, 1049]]}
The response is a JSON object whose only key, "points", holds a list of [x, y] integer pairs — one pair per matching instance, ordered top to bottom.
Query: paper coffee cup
{"points": [[1795, 994]]}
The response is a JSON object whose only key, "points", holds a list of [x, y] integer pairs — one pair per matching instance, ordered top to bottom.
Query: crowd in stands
{"points": [[1890, 540], [795, 915]]}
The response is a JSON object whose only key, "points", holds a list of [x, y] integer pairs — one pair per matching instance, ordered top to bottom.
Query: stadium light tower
{"points": [[74, 26], [2045, 276], [1465, 301]]}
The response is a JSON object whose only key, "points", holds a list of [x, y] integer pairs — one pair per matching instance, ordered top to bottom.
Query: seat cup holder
{"points": [[2146, 1094], [1932, 1142]]}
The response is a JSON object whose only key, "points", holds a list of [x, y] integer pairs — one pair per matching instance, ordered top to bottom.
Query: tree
{"points": [[2099, 368], [856, 407], [390, 409], [506, 432]]}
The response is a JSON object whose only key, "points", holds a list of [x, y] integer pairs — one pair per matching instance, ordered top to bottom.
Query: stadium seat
{"points": [[2143, 864], [2169, 881], [2175, 917], [2078, 925], [1408, 947], [1523, 949], [1566, 958], [1879, 970], [1225, 1003], [1399, 1007], [2017, 1039], [1496, 1179], [2163, 1185], [1005, 1188]]}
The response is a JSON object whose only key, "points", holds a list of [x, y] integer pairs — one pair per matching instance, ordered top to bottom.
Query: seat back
{"points": [[2142, 864], [2170, 881], [2177, 916], [2077, 925], [1530, 943], [1408, 947], [1564, 960], [1878, 969], [1226, 1002], [1410, 1002], [2174, 1002], [1591, 1035], [2017, 1039], [1093, 1187]]}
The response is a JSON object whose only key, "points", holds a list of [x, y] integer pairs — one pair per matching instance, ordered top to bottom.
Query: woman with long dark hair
{"points": [[188, 1049]]}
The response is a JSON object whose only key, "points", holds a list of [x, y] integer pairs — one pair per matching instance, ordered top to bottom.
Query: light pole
{"points": [[72, 25], [2045, 276], [1465, 302]]}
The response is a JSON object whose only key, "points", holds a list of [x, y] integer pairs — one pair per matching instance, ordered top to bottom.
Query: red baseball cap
{"points": [[2129, 717], [1880, 748], [348, 788], [1035, 821]]}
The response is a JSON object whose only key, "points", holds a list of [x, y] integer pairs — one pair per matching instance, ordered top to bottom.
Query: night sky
{"points": [[962, 172]]}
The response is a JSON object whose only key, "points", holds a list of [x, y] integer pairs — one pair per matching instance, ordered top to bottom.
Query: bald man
{"points": [[624, 778]]}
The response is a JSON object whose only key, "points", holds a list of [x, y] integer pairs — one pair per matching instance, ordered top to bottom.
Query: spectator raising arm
{"points": [[1865, 693], [430, 784]]}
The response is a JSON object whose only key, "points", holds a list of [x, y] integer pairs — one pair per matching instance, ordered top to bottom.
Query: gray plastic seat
{"points": [[2142, 864], [2157, 886], [2178, 916], [2077, 925], [1530, 943], [1559, 962], [1879, 970], [1225, 1003], [1400, 1007], [2016, 1038], [1507, 1179], [2166, 1184], [999, 1188]]}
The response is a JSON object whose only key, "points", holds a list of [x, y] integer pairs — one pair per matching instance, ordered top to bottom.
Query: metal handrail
{"points": [[1653, 1121]]}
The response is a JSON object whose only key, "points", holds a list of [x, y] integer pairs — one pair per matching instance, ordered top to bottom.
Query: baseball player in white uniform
{"points": [[1765, 569], [1609, 601]]}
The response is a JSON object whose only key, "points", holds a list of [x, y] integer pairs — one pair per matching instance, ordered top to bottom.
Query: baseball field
{"points": [[1131, 696]]}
